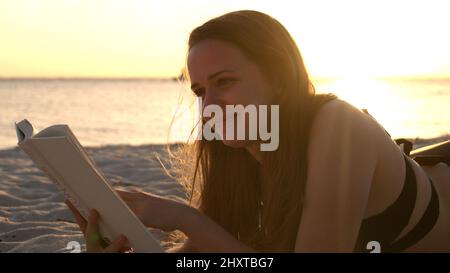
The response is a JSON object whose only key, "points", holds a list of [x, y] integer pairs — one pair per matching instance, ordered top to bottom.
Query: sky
{"points": [[138, 38]]}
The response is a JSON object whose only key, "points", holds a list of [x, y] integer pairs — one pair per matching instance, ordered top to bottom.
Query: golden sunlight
{"points": [[79, 38]]}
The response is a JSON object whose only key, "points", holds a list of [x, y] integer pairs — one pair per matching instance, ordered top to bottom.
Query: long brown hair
{"points": [[231, 183]]}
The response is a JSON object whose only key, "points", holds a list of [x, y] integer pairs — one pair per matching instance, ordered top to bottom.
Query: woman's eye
{"points": [[224, 81]]}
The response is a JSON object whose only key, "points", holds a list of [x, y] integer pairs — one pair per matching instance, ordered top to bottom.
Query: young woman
{"points": [[336, 183]]}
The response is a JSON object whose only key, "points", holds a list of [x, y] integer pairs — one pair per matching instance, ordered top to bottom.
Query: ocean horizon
{"points": [[134, 111]]}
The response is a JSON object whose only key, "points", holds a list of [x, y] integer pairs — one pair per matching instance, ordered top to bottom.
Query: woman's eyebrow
{"points": [[210, 77]]}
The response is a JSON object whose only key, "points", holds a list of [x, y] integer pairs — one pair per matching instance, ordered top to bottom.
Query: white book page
{"points": [[59, 154]]}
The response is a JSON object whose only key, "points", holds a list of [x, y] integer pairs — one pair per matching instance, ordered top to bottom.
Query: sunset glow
{"points": [[345, 39]]}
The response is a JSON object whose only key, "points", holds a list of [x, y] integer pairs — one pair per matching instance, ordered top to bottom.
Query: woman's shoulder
{"points": [[341, 114], [343, 128]]}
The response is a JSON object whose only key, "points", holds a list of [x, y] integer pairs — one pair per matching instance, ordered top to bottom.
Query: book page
{"points": [[67, 164]]}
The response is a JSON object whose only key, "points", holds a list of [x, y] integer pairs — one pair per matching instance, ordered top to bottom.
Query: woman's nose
{"points": [[210, 100]]}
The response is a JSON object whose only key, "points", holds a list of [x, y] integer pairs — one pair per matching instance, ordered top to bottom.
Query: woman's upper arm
{"points": [[342, 158]]}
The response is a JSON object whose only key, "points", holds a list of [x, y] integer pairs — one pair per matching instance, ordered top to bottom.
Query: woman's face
{"points": [[222, 75]]}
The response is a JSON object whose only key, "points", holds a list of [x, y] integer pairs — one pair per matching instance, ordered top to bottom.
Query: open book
{"points": [[57, 152]]}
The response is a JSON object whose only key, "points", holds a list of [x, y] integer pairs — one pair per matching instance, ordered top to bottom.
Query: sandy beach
{"points": [[33, 216]]}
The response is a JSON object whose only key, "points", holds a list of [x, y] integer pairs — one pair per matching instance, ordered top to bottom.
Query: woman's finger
{"points": [[78, 217], [93, 237], [117, 245]]}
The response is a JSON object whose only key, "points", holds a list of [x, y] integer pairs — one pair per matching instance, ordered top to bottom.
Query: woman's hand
{"points": [[155, 211], [94, 240]]}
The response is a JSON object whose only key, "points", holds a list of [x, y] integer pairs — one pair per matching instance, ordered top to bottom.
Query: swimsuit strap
{"points": [[425, 224], [386, 226]]}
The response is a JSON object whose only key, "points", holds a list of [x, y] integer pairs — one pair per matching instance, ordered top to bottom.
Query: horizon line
{"points": [[89, 78], [175, 78]]}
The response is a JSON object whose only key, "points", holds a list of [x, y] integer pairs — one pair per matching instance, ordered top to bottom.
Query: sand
{"points": [[33, 216]]}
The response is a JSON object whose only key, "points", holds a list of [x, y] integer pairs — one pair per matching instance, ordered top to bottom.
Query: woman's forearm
{"points": [[208, 236]]}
